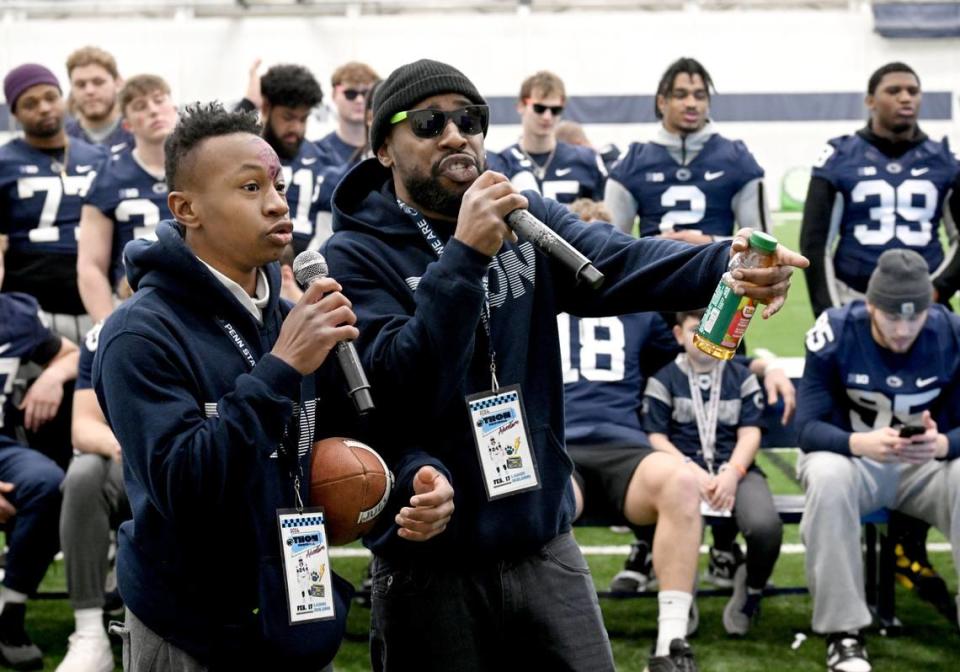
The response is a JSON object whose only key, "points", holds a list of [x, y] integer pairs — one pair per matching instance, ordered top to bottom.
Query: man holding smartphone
{"points": [[879, 418]]}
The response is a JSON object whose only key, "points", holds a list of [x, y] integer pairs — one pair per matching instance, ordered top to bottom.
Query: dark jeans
{"points": [[32, 534], [537, 612]]}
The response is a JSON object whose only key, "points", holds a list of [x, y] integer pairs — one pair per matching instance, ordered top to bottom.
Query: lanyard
{"points": [[433, 240], [706, 417], [288, 450]]}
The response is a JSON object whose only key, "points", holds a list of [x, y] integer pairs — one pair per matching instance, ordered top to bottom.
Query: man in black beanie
{"points": [[459, 338], [879, 419]]}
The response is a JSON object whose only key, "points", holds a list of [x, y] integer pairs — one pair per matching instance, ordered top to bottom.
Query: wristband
{"points": [[738, 468]]}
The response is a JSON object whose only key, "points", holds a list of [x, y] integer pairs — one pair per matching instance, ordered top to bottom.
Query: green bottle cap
{"points": [[763, 241]]}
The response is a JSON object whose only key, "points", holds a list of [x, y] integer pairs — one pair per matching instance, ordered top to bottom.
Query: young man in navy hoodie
{"points": [[451, 306], [206, 378]]}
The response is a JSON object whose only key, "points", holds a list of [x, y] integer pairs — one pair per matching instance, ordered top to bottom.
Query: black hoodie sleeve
{"points": [[814, 231], [422, 354]]}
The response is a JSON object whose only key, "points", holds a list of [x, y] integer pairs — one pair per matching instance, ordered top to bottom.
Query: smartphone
{"points": [[906, 431]]}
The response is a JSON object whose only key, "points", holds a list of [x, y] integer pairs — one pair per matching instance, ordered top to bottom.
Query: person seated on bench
{"points": [[606, 361], [602, 399], [708, 413], [879, 420], [29, 481]]}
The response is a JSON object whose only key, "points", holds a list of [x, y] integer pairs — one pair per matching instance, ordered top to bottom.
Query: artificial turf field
{"points": [[928, 642]]}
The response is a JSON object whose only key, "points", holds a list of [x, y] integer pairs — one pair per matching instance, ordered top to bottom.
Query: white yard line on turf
{"points": [[786, 549]]}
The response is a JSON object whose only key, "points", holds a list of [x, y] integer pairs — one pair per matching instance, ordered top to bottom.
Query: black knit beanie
{"points": [[411, 83], [900, 284]]}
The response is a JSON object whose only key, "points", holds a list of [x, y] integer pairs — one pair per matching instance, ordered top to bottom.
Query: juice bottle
{"points": [[728, 315]]}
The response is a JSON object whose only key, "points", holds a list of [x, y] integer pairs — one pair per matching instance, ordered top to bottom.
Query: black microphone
{"points": [[547, 241], [308, 267]]}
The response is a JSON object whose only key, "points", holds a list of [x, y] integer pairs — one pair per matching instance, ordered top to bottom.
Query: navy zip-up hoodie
{"points": [[424, 349], [199, 563]]}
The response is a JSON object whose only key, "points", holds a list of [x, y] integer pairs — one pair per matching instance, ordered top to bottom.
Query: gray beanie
{"points": [[411, 83], [900, 284]]}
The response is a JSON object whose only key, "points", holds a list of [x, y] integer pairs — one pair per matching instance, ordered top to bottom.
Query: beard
{"points": [[96, 112], [42, 130], [283, 149], [429, 194]]}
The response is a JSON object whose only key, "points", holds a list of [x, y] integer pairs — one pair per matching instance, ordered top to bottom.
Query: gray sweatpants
{"points": [[842, 489], [93, 498], [146, 651]]}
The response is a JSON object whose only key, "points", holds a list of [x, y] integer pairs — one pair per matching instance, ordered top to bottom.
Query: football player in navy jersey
{"points": [[94, 84], [352, 87], [289, 93], [572, 133], [538, 161], [43, 179], [689, 183], [886, 186], [129, 197], [606, 362], [879, 421], [29, 481]]}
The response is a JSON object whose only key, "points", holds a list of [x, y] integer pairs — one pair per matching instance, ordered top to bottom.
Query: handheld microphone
{"points": [[547, 241], [308, 267]]}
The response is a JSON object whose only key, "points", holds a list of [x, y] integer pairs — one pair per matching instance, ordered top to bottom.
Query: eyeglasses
{"points": [[351, 94], [540, 108], [469, 120]]}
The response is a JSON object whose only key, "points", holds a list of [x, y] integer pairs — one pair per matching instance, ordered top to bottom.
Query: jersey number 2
{"points": [[678, 194]]}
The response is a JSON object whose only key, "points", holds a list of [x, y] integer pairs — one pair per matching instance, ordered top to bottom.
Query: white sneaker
{"points": [[87, 653]]}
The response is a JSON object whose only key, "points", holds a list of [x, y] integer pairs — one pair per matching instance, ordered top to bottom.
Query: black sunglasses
{"points": [[351, 94], [540, 108], [469, 120]]}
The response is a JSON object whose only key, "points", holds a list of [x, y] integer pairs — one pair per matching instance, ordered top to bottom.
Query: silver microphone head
{"points": [[309, 266]]}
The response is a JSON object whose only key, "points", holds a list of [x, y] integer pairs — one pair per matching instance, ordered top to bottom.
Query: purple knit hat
{"points": [[22, 78]]}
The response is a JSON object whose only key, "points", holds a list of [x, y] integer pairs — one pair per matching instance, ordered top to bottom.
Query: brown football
{"points": [[352, 484]]}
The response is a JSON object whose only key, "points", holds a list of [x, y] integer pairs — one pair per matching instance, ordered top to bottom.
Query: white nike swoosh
{"points": [[116, 148], [309, 162], [83, 169], [563, 171], [916, 172], [710, 177], [5, 347], [923, 382]]}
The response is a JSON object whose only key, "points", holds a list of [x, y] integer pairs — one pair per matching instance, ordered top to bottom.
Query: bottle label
{"points": [[727, 317]]}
